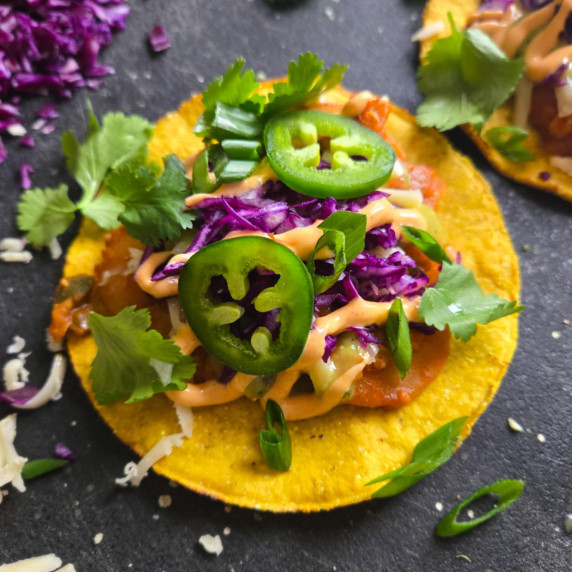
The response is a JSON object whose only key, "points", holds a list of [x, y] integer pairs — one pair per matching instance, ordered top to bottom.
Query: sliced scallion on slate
{"points": [[508, 141], [344, 235], [399, 337], [276, 446], [429, 454], [38, 467], [508, 492]]}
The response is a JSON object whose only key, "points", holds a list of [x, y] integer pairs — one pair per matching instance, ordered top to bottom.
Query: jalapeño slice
{"points": [[361, 160], [216, 289]]}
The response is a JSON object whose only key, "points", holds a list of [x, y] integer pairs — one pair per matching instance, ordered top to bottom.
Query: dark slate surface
{"points": [[62, 512]]}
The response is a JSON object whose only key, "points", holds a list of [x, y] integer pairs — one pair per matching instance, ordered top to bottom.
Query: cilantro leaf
{"points": [[464, 78], [303, 84], [232, 88], [119, 139], [508, 142], [153, 205], [104, 210], [45, 214], [458, 301], [132, 361]]}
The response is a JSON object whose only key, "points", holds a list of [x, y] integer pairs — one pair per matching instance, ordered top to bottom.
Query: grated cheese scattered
{"points": [[428, 31], [522, 101], [16, 130], [562, 163], [13, 244], [55, 249], [135, 255], [9, 256], [174, 314], [556, 335], [51, 345], [16, 346], [15, 374], [52, 386], [185, 417], [515, 425], [541, 438], [10, 462], [136, 472], [165, 501], [439, 506], [568, 524], [226, 531], [98, 538], [211, 544], [46, 563]]}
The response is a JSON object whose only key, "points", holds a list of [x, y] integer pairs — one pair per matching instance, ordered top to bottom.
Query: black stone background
{"points": [[62, 512]]}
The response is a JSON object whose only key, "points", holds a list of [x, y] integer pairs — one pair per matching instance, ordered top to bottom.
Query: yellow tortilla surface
{"points": [[560, 183], [336, 454]]}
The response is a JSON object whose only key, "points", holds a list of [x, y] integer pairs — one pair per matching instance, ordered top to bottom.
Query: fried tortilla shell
{"points": [[528, 173], [336, 454]]}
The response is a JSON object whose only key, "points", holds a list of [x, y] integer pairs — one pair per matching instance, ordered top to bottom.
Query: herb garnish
{"points": [[276, 447], [508, 491]]}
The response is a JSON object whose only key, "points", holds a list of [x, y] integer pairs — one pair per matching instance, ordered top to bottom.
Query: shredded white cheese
{"points": [[428, 31], [522, 101], [16, 130], [562, 163], [410, 198], [13, 244], [55, 249], [135, 255], [9, 256], [174, 314], [17, 345], [51, 345], [15, 374], [52, 386], [185, 417], [515, 425], [10, 462], [136, 472], [98, 538], [211, 544], [46, 563], [67, 568]]}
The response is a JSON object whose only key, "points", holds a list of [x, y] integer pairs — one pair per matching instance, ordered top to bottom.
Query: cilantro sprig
{"points": [[464, 78], [234, 111], [116, 149], [456, 300], [132, 361]]}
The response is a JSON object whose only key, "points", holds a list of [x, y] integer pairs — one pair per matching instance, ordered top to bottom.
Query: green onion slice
{"points": [[243, 149], [344, 235], [426, 244], [399, 337], [276, 447], [429, 454], [38, 467], [508, 491]]}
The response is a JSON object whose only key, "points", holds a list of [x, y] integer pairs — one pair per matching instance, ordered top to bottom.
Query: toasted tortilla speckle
{"points": [[528, 173], [336, 454]]}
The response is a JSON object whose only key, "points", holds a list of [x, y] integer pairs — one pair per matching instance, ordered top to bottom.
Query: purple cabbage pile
{"points": [[51, 47], [380, 273]]}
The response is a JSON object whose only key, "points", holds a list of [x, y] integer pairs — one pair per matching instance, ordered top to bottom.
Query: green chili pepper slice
{"points": [[361, 160], [219, 288]]}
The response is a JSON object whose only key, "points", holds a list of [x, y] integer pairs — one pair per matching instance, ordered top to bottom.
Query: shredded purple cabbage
{"points": [[495, 5], [533, 5], [159, 40], [51, 47], [556, 79], [27, 141], [544, 175], [25, 179], [331, 343], [18, 396], [62, 452]]}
